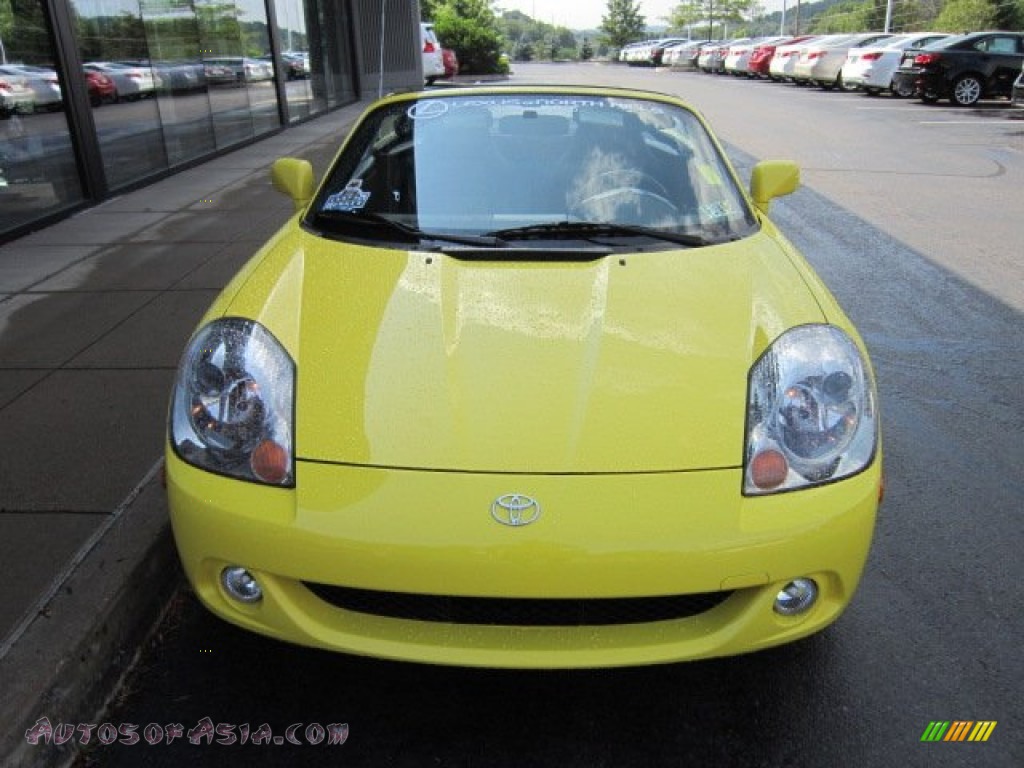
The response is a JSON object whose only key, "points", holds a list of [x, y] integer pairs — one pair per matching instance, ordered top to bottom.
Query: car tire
{"points": [[430, 80], [902, 90], [966, 91], [929, 98]]}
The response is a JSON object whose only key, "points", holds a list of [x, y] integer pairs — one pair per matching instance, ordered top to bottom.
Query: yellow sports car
{"points": [[529, 380]]}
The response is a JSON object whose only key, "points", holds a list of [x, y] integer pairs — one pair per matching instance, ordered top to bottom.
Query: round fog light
{"points": [[241, 585], [796, 597]]}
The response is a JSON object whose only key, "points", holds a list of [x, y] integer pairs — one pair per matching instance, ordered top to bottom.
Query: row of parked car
{"points": [[927, 65], [25, 88]]}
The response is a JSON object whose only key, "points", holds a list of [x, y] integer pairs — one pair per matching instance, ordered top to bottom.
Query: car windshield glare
{"points": [[478, 164]]}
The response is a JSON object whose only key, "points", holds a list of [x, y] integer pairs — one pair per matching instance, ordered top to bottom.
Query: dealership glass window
{"points": [[253, 24], [316, 32], [293, 33], [172, 36], [335, 36], [111, 37], [232, 38], [38, 174]]}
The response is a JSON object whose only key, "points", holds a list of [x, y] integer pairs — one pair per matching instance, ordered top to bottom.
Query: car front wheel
{"points": [[966, 91]]}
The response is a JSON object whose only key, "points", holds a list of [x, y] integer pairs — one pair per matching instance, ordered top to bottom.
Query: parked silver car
{"points": [[132, 81]]}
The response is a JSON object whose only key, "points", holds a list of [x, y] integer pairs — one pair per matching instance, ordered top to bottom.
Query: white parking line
{"points": [[1000, 124]]}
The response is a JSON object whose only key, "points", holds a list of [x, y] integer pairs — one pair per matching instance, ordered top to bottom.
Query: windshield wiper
{"points": [[588, 229], [409, 233]]}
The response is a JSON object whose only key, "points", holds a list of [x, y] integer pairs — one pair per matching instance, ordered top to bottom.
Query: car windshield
{"points": [[532, 166]]}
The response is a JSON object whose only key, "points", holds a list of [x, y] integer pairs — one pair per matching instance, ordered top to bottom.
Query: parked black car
{"points": [[964, 68]]}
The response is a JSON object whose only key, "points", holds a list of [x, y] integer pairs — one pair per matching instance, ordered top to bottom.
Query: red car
{"points": [[761, 57], [451, 62], [101, 88]]}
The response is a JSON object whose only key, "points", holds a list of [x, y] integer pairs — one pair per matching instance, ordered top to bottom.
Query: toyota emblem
{"points": [[515, 509]]}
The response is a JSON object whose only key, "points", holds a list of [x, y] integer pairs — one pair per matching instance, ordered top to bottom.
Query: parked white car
{"points": [[786, 57], [433, 60], [737, 60], [822, 64], [871, 68], [46, 93]]}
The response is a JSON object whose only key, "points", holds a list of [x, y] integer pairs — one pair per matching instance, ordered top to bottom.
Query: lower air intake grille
{"points": [[518, 612]]}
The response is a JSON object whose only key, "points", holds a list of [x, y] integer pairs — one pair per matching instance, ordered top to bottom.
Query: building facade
{"points": [[100, 96]]}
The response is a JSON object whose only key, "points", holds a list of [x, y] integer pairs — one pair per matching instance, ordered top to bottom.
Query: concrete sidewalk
{"points": [[94, 314]]}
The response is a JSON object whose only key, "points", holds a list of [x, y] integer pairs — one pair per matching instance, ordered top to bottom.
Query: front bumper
{"points": [[599, 536]]}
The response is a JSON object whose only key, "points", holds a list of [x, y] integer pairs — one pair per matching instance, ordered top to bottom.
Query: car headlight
{"points": [[232, 409], [811, 412]]}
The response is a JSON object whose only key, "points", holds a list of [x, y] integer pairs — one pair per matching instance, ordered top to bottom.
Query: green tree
{"points": [[709, 13], [687, 14], [968, 15], [1010, 15], [848, 16], [623, 23], [469, 26], [6, 28], [25, 33], [525, 37]]}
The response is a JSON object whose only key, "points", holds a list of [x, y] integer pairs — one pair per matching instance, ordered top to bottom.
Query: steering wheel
{"points": [[630, 177], [627, 188]]}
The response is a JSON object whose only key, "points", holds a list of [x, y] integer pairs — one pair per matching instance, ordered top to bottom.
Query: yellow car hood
{"points": [[629, 363]]}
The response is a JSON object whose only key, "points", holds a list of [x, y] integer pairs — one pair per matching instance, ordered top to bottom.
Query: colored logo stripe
{"points": [[958, 730], [982, 730], [935, 731]]}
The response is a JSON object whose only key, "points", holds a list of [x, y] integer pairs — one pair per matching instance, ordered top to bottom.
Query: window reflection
{"points": [[291, 25], [317, 32], [172, 35], [112, 43], [334, 53], [168, 81], [241, 88], [38, 174]]}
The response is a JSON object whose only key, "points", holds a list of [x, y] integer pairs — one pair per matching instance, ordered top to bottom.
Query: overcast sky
{"points": [[586, 14]]}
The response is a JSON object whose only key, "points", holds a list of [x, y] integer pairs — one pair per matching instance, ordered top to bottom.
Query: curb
{"points": [[76, 648]]}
